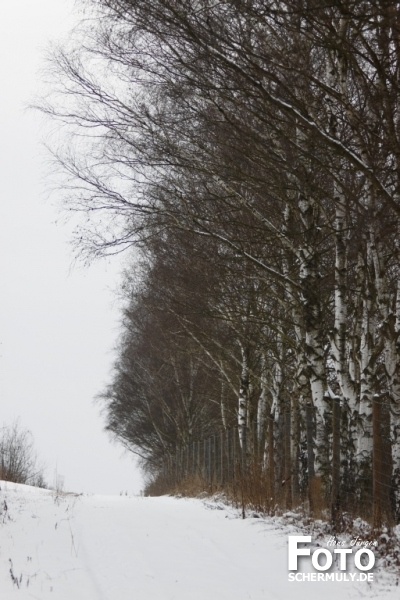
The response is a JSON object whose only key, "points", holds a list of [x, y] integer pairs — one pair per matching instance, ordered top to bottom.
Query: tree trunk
{"points": [[243, 402], [262, 407], [295, 448], [310, 453], [271, 459], [377, 465], [287, 480], [335, 493]]}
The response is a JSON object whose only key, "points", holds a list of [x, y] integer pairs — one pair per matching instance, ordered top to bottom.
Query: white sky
{"points": [[58, 322]]}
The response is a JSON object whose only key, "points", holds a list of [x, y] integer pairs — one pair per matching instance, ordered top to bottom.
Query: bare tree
{"points": [[266, 134], [19, 462]]}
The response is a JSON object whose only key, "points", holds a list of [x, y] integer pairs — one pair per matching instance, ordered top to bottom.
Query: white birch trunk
{"points": [[340, 343], [314, 346], [344, 365], [317, 366], [393, 368], [276, 387], [243, 400], [262, 403], [223, 405], [365, 440]]}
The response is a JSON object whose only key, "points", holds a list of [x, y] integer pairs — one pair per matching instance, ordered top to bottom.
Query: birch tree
{"points": [[268, 133]]}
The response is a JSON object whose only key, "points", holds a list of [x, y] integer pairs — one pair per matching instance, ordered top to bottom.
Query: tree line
{"points": [[249, 152]]}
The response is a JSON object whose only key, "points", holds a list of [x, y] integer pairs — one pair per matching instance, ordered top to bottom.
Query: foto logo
{"points": [[322, 560]]}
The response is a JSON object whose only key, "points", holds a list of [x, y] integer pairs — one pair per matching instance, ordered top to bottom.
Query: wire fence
{"points": [[217, 460], [260, 472]]}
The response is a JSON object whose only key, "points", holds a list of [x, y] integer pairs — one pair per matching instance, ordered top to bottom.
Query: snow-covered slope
{"points": [[118, 548]]}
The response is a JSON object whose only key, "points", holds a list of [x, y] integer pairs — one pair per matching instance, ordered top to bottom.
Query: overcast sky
{"points": [[58, 322]]}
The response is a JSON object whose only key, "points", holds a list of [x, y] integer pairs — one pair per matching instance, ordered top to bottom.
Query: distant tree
{"points": [[18, 459]]}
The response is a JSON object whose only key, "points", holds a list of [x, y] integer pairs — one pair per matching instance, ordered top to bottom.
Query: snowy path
{"points": [[118, 548]]}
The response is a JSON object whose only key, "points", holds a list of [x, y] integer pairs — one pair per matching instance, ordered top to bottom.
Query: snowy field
{"points": [[134, 548]]}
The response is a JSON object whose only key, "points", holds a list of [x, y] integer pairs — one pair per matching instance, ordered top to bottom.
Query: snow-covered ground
{"points": [[72, 547]]}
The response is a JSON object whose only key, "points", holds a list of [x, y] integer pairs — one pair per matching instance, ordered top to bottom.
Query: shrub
{"points": [[18, 460]]}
